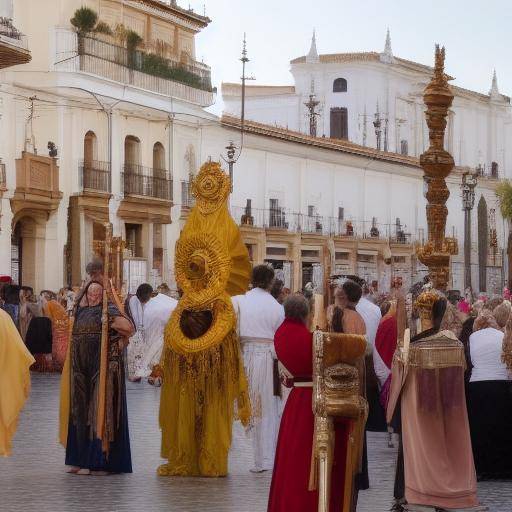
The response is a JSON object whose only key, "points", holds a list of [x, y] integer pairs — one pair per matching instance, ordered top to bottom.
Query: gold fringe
{"points": [[440, 354], [196, 388]]}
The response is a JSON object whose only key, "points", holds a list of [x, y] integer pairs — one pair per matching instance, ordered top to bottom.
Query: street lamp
{"points": [[469, 182]]}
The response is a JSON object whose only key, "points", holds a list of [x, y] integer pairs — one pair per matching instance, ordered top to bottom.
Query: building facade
{"points": [[375, 99], [104, 126]]}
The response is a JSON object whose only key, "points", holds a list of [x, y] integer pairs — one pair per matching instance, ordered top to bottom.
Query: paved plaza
{"points": [[34, 478]]}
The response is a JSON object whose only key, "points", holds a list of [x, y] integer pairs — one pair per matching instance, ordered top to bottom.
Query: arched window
{"points": [[339, 85], [90, 149], [131, 153], [158, 156]]}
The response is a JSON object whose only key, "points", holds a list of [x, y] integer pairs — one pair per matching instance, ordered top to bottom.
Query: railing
{"points": [[9, 31], [191, 82], [491, 171], [95, 175], [138, 180], [187, 199], [281, 218]]}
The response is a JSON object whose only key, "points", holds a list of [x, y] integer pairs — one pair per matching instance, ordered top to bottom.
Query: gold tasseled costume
{"points": [[203, 376]]}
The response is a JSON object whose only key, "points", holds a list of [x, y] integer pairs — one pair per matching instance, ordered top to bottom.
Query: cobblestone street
{"points": [[35, 479]]}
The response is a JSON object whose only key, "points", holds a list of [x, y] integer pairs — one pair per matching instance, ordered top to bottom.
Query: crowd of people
{"points": [[275, 332]]}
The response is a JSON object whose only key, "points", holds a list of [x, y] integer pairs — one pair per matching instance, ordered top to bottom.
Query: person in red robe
{"points": [[289, 490]]}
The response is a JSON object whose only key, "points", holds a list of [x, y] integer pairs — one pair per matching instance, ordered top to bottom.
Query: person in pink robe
{"points": [[428, 382]]}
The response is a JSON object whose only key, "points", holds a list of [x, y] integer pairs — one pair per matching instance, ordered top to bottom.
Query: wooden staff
{"points": [[102, 391]]}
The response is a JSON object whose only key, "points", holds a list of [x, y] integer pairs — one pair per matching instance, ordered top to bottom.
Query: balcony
{"points": [[13, 45], [187, 81], [95, 176], [141, 181], [37, 184], [187, 199], [282, 219]]}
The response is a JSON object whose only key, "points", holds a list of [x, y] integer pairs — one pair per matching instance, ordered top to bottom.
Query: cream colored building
{"points": [[122, 122], [129, 128]]}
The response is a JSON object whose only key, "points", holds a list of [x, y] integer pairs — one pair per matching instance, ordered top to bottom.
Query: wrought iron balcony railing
{"points": [[189, 80], [95, 175], [138, 180], [187, 199], [281, 218]]}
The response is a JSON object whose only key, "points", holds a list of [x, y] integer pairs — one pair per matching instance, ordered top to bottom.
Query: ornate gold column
{"points": [[437, 164]]}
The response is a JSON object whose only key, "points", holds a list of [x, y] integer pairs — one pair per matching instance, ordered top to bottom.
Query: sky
{"points": [[477, 35]]}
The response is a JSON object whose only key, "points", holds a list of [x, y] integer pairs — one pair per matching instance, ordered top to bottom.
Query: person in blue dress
{"points": [[87, 451]]}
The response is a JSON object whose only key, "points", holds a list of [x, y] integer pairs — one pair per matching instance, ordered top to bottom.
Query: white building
{"points": [[354, 90], [129, 128]]}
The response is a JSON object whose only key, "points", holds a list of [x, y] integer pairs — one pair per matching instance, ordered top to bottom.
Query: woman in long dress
{"points": [[36, 331], [15, 361], [489, 400], [86, 449], [290, 481]]}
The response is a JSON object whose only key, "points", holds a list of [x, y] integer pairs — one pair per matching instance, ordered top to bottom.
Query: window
{"points": [[339, 85], [339, 123], [404, 147], [89, 149], [131, 152], [158, 156], [494, 169], [311, 211], [341, 213], [277, 215], [134, 239], [276, 251], [309, 253], [342, 256]]}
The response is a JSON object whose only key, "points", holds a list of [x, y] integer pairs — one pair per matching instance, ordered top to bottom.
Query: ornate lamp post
{"points": [[437, 164], [469, 182]]}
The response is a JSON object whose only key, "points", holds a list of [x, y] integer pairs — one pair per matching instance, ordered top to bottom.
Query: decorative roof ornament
{"points": [[387, 55], [312, 57], [494, 92], [437, 163]]}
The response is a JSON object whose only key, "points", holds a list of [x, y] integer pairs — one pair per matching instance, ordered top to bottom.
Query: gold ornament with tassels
{"points": [[204, 383]]}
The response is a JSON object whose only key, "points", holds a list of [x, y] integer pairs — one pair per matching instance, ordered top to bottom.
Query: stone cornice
{"points": [[177, 15]]}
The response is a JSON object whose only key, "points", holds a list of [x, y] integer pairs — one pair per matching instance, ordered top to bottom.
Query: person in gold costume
{"points": [[15, 361], [204, 384]]}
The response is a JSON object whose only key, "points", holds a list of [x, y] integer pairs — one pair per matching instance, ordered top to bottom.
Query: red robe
{"points": [[289, 489]]}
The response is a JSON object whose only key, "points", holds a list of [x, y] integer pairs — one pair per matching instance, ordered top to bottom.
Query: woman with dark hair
{"points": [[438, 311], [467, 331], [489, 401], [289, 490]]}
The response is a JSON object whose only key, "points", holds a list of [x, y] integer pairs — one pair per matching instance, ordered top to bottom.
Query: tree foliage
{"points": [[84, 20], [504, 194]]}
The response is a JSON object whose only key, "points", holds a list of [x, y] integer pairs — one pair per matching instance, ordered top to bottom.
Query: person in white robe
{"points": [[156, 315], [259, 316], [136, 348]]}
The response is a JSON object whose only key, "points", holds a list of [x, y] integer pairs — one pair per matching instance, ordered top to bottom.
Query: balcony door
{"points": [[339, 123], [133, 179]]}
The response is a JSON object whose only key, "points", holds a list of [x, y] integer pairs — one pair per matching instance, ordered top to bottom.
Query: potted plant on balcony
{"points": [[85, 21], [133, 41]]}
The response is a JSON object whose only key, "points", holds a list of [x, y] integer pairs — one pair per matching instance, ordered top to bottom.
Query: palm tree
{"points": [[504, 194]]}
